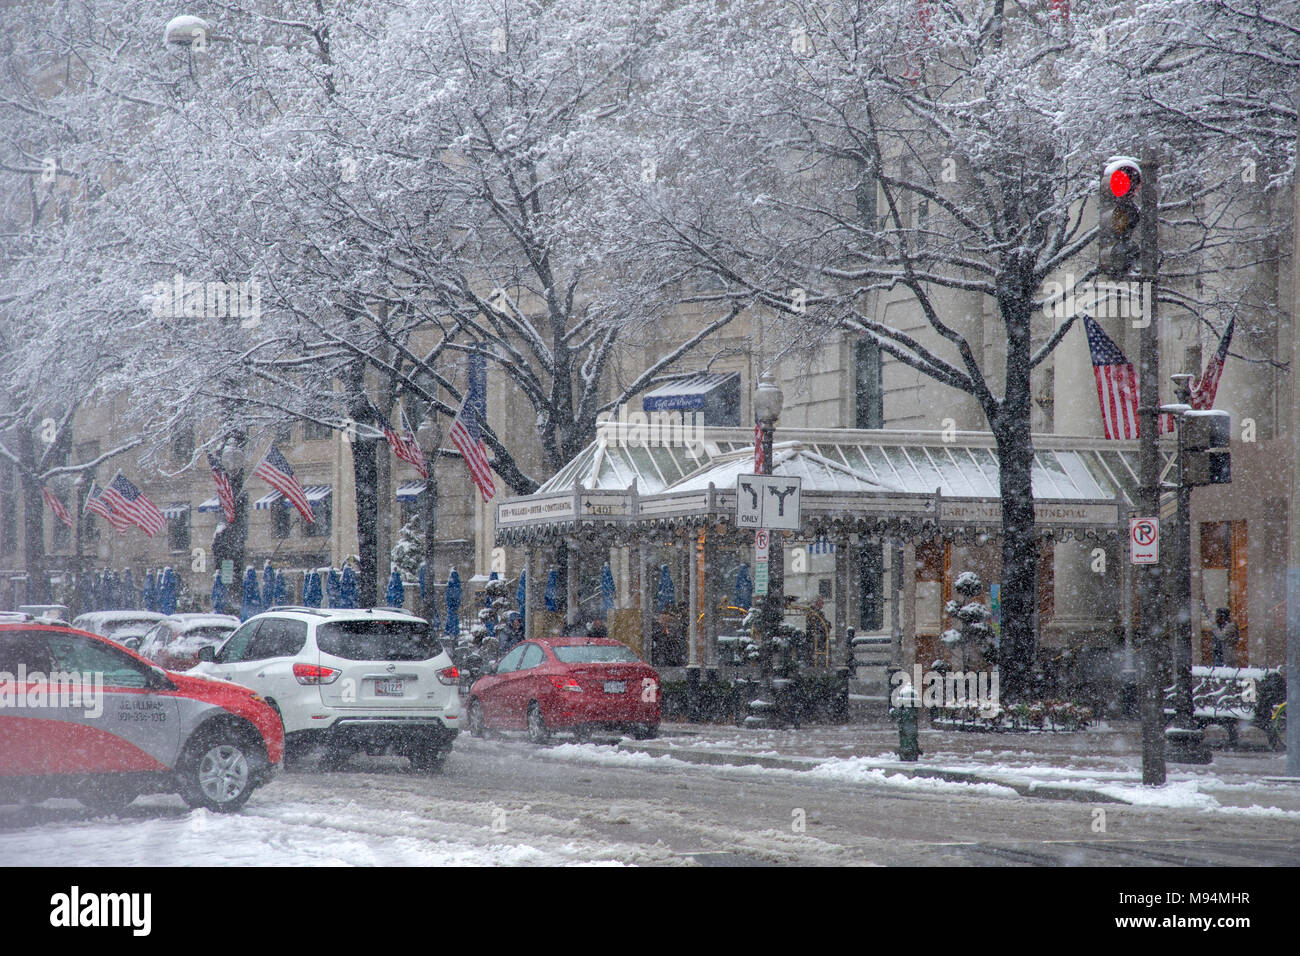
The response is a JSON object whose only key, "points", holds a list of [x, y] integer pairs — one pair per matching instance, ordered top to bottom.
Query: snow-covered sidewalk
{"points": [[1102, 764]]}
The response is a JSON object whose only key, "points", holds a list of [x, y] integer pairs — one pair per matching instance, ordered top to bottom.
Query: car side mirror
{"points": [[207, 653]]}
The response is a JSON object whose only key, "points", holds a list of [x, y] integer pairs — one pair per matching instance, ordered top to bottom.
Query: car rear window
{"points": [[377, 640], [595, 654]]}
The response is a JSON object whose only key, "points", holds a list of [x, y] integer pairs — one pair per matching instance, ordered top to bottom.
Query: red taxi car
{"points": [[567, 683], [83, 717]]}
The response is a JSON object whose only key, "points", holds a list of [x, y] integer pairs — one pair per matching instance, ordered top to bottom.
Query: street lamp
{"points": [[768, 399], [1184, 741]]}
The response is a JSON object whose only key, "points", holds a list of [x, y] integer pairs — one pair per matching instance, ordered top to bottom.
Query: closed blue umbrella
{"points": [[171, 588], [334, 588], [348, 588], [744, 588], [281, 589], [311, 590], [110, 591], [150, 591], [607, 591], [396, 592], [218, 593], [521, 593], [424, 594], [552, 596], [666, 596], [130, 597], [252, 597], [452, 627]]}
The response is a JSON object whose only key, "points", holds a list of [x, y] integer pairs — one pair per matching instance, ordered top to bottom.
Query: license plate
{"points": [[615, 686], [388, 688]]}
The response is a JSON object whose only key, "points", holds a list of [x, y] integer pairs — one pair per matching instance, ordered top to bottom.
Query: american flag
{"points": [[1116, 385], [1204, 388], [465, 435], [404, 446], [758, 448], [277, 473], [225, 493], [130, 501], [96, 502], [56, 506]]}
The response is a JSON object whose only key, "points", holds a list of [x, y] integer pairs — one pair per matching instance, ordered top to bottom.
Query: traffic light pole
{"points": [[1151, 631]]}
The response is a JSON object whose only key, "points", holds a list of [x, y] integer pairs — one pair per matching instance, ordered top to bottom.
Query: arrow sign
{"points": [[768, 501]]}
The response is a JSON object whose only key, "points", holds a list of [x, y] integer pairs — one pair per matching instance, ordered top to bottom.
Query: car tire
{"points": [[477, 725], [645, 731], [538, 732], [217, 771], [110, 797]]}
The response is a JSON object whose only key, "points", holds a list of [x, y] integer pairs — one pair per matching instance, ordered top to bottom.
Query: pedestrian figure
{"points": [[1225, 639]]}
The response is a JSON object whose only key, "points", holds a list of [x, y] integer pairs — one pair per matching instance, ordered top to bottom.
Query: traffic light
{"points": [[1118, 215], [1203, 431]]}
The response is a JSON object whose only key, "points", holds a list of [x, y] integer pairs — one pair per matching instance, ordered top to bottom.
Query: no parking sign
{"points": [[1144, 540]]}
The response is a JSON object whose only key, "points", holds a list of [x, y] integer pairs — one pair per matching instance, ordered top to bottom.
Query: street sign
{"points": [[768, 501], [1144, 540], [762, 541], [760, 577]]}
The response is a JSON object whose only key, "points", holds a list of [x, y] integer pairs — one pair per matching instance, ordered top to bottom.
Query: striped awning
{"points": [[410, 491], [314, 494], [264, 502], [212, 504], [174, 511]]}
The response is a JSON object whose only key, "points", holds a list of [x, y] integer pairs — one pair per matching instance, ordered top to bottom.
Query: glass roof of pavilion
{"points": [[1065, 468]]}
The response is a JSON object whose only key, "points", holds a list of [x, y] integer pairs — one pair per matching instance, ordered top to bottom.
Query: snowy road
{"points": [[505, 802]]}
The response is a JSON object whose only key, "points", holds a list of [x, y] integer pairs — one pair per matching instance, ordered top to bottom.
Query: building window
{"points": [[869, 390], [314, 431], [283, 433], [182, 444], [280, 517], [322, 526], [178, 531]]}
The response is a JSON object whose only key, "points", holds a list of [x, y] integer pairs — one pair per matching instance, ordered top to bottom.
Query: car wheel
{"points": [[477, 725], [645, 731], [538, 732], [217, 774], [109, 797]]}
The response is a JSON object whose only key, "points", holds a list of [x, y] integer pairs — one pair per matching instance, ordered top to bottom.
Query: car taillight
{"points": [[314, 674], [449, 675], [566, 683]]}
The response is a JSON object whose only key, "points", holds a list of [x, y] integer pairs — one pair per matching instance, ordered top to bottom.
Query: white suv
{"points": [[350, 679]]}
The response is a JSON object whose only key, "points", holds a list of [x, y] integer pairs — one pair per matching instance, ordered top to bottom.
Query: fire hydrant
{"points": [[906, 707]]}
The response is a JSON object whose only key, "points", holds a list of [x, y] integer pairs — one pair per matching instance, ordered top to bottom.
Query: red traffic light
{"points": [[1123, 181]]}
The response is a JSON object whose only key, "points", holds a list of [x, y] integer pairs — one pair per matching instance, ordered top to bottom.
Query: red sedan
{"points": [[567, 683]]}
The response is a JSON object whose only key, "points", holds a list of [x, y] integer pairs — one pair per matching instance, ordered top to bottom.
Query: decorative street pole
{"points": [[768, 399], [429, 435]]}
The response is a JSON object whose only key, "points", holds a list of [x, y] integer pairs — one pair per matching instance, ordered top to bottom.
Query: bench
{"points": [[1230, 696]]}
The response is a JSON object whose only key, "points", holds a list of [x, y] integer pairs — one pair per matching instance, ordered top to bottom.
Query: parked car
{"points": [[124, 627], [174, 642], [352, 680], [580, 684], [87, 718]]}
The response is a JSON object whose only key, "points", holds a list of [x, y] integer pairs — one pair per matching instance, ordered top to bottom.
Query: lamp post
{"points": [[768, 399], [429, 436], [1184, 742]]}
